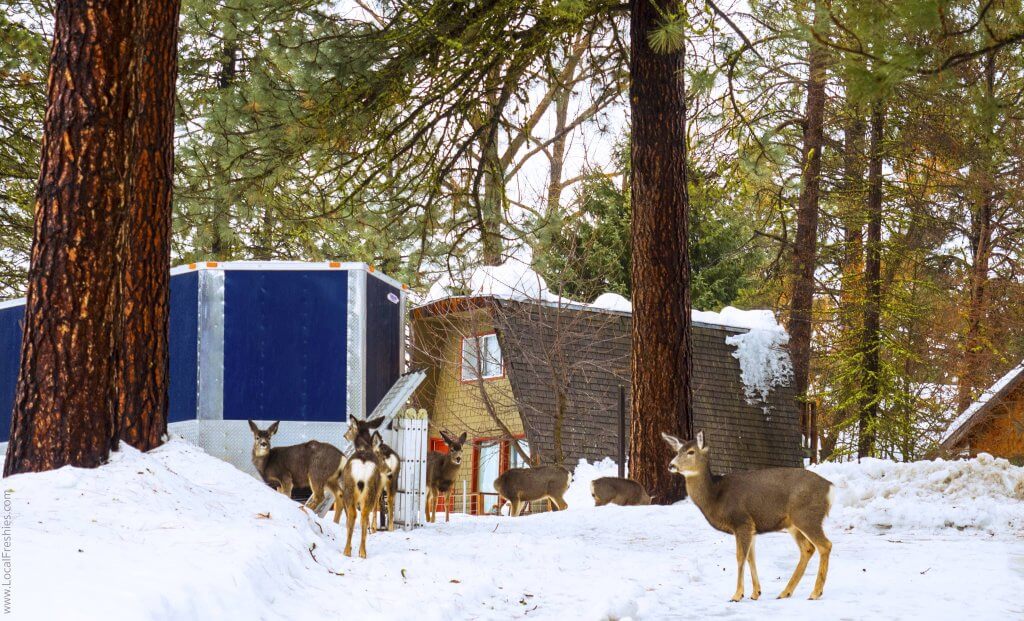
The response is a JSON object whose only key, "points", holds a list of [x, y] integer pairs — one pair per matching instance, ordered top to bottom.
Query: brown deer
{"points": [[314, 463], [391, 466], [441, 471], [360, 479], [521, 486], [618, 491], [759, 501]]}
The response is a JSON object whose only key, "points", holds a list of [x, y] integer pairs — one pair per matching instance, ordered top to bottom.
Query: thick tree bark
{"points": [[558, 152], [805, 248], [661, 268], [871, 342], [977, 349], [142, 362], [63, 412]]}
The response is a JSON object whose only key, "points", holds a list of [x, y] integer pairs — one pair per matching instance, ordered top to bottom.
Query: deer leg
{"points": [[286, 487], [318, 494], [430, 501], [560, 502], [338, 506], [448, 506], [391, 509], [364, 518], [350, 521], [743, 540], [824, 547], [806, 551], [753, 572]]}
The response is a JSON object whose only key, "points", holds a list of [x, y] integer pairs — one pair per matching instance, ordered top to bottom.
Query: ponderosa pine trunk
{"points": [[805, 246], [661, 270], [872, 331], [142, 363], [64, 402]]}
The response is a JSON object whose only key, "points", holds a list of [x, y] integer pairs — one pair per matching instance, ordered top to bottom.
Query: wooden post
{"points": [[622, 431]]}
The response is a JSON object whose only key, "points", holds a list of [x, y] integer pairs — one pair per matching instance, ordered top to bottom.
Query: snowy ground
{"points": [[177, 534]]}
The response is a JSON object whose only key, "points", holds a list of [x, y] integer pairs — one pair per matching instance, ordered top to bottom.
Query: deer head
{"points": [[362, 428], [261, 438], [454, 446], [691, 455]]}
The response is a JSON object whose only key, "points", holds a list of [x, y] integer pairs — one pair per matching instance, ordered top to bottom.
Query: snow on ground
{"points": [[176, 534]]}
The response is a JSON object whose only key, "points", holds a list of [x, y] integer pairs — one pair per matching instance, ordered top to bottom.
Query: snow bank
{"points": [[613, 302], [985, 397], [877, 495], [578, 496], [172, 534]]}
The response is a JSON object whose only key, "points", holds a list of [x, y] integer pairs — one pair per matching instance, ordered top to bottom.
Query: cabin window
{"points": [[481, 357]]}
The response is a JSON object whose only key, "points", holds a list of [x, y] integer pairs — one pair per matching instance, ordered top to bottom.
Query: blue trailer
{"points": [[308, 343]]}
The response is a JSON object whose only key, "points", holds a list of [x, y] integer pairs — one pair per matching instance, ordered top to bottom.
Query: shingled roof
{"points": [[587, 353], [959, 431]]}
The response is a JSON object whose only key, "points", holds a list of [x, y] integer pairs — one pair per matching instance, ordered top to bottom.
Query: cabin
{"points": [[540, 380], [993, 424]]}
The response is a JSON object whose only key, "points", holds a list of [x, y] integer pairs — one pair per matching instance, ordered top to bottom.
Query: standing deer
{"points": [[314, 463], [390, 466], [441, 471], [361, 479], [521, 486], [618, 491], [759, 501]]}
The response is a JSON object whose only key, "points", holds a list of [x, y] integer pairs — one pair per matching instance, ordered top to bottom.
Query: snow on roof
{"points": [[985, 397]]}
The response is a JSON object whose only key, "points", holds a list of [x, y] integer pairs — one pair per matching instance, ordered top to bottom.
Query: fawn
{"points": [[314, 463], [390, 467], [441, 471], [361, 479], [521, 486], [618, 491], [759, 501]]}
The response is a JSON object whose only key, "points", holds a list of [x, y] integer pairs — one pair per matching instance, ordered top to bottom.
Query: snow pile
{"points": [[513, 280], [764, 360], [985, 397], [877, 495], [578, 496], [173, 534]]}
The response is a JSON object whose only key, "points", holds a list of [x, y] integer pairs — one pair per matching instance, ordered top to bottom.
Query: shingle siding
{"points": [[588, 354]]}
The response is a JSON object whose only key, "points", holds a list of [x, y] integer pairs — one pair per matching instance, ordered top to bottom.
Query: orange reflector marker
{"points": [[211, 264], [335, 264], [191, 266], [370, 267], [405, 286]]}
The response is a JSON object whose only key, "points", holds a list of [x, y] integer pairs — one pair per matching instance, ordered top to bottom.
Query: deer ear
{"points": [[373, 424], [253, 427], [273, 428], [447, 437], [462, 438], [377, 440], [700, 440], [672, 441]]}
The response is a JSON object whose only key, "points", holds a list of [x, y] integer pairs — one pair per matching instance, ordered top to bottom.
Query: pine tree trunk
{"points": [[558, 153], [492, 205], [805, 249], [661, 269], [871, 344], [976, 359], [143, 367], [64, 404]]}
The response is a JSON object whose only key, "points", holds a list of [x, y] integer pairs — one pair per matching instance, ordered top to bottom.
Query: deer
{"points": [[314, 463], [391, 465], [441, 471], [360, 479], [521, 486], [618, 491], [749, 503]]}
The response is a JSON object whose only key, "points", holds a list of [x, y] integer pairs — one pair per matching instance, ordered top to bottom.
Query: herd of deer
{"points": [[743, 504]]}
